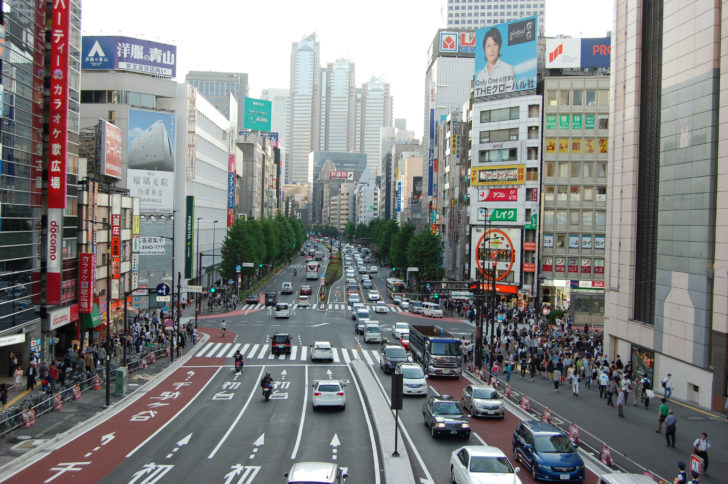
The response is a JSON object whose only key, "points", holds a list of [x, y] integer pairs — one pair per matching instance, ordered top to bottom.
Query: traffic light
{"points": [[260, 266], [394, 269], [212, 290], [435, 296]]}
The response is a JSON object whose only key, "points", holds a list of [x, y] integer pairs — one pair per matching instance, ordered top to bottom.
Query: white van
{"points": [[283, 310], [431, 310], [372, 332], [622, 478]]}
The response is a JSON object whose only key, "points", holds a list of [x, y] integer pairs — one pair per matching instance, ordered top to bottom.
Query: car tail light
{"points": [[317, 394], [341, 394]]}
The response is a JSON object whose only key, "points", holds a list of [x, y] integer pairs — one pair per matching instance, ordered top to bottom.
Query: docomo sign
{"points": [[58, 112], [347, 175], [498, 195], [54, 255]]}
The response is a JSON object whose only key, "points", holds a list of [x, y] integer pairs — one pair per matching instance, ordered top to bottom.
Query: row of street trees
{"points": [[265, 243], [402, 247]]}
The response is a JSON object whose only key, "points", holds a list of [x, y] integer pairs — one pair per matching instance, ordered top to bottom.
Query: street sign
{"points": [[248, 264], [237, 268], [191, 288], [163, 289], [164, 299], [168, 324]]}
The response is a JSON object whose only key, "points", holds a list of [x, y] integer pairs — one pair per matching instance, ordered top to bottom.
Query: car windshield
{"points": [[281, 307], [402, 327], [373, 329], [404, 336], [280, 338], [322, 347], [445, 349], [396, 353], [412, 372], [329, 388], [485, 393], [446, 408], [554, 443], [490, 465]]}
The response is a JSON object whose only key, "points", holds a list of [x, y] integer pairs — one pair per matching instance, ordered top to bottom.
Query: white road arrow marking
{"points": [[329, 373], [283, 374], [105, 439], [184, 441], [260, 441], [335, 443], [235, 470]]}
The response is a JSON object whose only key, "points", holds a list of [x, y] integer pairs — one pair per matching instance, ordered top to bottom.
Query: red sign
{"points": [[467, 39], [58, 112], [111, 155], [340, 174], [498, 195], [116, 246], [530, 246], [548, 264], [560, 264], [585, 266], [529, 267], [573, 267], [598, 269], [598, 284], [87, 285]]}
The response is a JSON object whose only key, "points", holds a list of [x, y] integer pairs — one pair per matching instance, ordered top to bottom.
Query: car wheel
{"points": [[432, 432], [515, 455], [533, 471], [452, 476]]}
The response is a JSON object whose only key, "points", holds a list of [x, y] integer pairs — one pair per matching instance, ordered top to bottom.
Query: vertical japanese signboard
{"points": [[57, 146], [110, 149], [231, 190], [135, 230], [189, 231], [115, 246], [87, 282]]}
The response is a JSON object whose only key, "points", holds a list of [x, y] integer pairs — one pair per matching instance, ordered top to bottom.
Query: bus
{"points": [[313, 268], [395, 287]]}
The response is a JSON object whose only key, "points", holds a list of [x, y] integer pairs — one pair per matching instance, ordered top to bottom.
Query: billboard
{"points": [[596, 52], [578, 53], [128, 54], [505, 59], [257, 114], [110, 149], [151, 157], [346, 175], [498, 175], [231, 191], [498, 195], [189, 231], [499, 249], [87, 282]]}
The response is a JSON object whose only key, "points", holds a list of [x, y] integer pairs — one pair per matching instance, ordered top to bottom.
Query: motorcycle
{"points": [[295, 272], [238, 366], [267, 390]]}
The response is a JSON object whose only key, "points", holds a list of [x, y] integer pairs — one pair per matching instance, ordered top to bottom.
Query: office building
{"points": [[474, 14], [217, 87], [304, 109], [338, 109], [375, 113], [279, 122], [324, 164], [258, 176], [666, 282]]}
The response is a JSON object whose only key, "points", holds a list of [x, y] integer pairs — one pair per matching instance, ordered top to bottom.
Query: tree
{"points": [[388, 230], [349, 231], [361, 231], [398, 249], [424, 252]]}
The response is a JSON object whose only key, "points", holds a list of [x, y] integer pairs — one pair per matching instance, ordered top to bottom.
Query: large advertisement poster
{"points": [[128, 54], [505, 59], [257, 114], [110, 149], [151, 155], [496, 250]]}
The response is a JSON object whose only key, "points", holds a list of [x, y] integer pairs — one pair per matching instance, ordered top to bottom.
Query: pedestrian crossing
{"points": [[329, 306], [252, 351]]}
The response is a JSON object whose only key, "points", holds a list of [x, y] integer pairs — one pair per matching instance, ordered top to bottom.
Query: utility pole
{"points": [[176, 321]]}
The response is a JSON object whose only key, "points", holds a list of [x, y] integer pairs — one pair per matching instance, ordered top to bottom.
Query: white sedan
{"points": [[373, 295], [304, 302], [381, 307], [399, 328], [321, 350], [328, 393], [475, 464]]}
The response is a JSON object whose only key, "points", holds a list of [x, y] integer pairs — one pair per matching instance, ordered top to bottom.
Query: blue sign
{"points": [[596, 52], [128, 54], [430, 153], [231, 189], [399, 197], [238, 268], [163, 289]]}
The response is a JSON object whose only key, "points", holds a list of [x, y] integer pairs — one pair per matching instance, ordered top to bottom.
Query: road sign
{"points": [[248, 264], [237, 268], [191, 288], [163, 289], [164, 299], [168, 324]]}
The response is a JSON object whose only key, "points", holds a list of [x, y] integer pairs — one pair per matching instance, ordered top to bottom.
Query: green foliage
{"points": [[349, 230], [361, 231], [398, 249], [423, 251], [555, 313]]}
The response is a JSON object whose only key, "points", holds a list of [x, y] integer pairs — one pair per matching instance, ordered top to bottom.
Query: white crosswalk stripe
{"points": [[212, 347], [245, 348], [263, 349], [223, 350], [294, 350], [304, 350], [298, 353], [251, 355], [336, 355], [345, 355], [366, 357]]}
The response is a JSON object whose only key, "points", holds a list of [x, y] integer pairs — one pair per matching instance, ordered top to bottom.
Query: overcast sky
{"points": [[383, 37]]}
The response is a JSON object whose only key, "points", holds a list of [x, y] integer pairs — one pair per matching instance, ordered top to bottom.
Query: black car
{"points": [[271, 298], [252, 299], [280, 343], [390, 355], [444, 415]]}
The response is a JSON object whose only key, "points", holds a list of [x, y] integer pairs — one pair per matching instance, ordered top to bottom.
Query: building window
{"points": [[576, 97], [551, 98], [563, 98], [591, 98], [604, 98], [533, 111], [503, 114], [603, 121], [532, 132], [499, 135], [532, 152], [506, 154], [549, 166], [564, 169], [575, 169], [588, 169], [601, 170], [531, 174], [548, 193], [575, 193], [562, 194], [588, 194], [602, 194], [561, 216], [548, 217], [574, 217], [587, 218], [601, 218], [560, 241]]}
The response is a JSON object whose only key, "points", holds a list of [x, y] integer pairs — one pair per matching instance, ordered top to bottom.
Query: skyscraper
{"points": [[474, 14], [216, 87], [339, 107], [376, 113], [304, 114]]}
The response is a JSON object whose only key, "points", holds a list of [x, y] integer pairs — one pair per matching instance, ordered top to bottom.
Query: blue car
{"points": [[547, 452]]}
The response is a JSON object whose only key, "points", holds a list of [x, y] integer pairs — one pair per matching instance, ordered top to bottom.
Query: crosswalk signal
{"points": [[260, 266], [394, 269], [212, 290], [435, 296]]}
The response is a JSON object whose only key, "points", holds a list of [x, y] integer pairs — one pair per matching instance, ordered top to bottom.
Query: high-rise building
{"points": [[474, 14], [217, 87], [304, 109], [338, 110], [376, 113], [279, 120], [666, 258]]}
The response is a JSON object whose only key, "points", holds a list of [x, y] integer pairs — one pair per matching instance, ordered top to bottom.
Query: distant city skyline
{"points": [[387, 39]]}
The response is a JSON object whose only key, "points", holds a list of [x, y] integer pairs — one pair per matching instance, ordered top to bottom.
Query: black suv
{"points": [[271, 298], [280, 343], [390, 355], [443, 414]]}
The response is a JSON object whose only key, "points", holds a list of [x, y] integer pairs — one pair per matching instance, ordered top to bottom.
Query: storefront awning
{"points": [[92, 319]]}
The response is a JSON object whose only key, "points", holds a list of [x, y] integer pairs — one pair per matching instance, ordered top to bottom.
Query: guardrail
{"points": [[37, 403], [600, 450]]}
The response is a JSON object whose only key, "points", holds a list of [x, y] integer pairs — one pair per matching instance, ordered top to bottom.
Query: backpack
{"points": [[664, 383]]}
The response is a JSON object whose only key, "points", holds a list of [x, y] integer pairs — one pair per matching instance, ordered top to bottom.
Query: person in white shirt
{"points": [[497, 77], [667, 385], [701, 448]]}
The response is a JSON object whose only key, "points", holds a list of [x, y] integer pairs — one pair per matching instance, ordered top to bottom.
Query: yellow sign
{"points": [[498, 175]]}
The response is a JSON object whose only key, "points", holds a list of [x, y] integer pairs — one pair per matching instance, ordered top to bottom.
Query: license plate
{"points": [[446, 371], [453, 432], [564, 477]]}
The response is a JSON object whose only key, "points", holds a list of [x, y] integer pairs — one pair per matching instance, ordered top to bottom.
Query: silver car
{"points": [[483, 401], [320, 472]]}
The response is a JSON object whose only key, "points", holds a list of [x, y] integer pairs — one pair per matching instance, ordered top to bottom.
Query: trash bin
{"points": [[122, 380]]}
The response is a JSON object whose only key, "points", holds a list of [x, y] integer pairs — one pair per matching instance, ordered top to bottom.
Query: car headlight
{"points": [[440, 424], [465, 425]]}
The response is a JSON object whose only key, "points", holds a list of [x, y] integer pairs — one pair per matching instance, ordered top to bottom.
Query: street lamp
{"points": [[214, 223], [198, 297], [108, 303], [174, 315]]}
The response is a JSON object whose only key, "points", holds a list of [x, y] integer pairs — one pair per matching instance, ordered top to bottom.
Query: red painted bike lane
{"points": [[495, 432], [91, 456]]}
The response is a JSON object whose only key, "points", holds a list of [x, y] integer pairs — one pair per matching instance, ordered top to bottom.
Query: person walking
{"points": [[223, 328], [31, 374], [557, 379], [576, 379], [603, 382], [667, 386], [611, 390], [647, 393], [4, 394], [621, 399], [662, 413], [670, 428], [701, 448], [682, 475]]}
